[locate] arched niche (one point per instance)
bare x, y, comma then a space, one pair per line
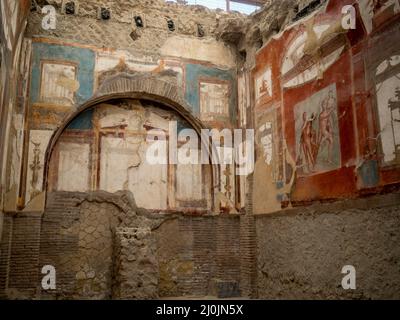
149, 92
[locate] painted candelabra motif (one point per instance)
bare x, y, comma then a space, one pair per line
35, 166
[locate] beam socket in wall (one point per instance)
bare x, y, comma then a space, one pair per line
200, 30
171, 25
312, 6
70, 7
34, 7
138, 21
104, 13
134, 35
243, 55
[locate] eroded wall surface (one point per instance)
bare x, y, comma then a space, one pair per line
301, 254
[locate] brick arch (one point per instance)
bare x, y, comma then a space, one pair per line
124, 86
147, 87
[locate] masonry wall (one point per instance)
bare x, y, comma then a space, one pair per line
200, 256
19, 258
153, 39
296, 68
103, 248
297, 254
301, 252
85, 237
299, 60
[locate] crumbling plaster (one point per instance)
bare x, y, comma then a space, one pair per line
257, 30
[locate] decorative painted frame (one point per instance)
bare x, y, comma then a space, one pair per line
209, 116
56, 62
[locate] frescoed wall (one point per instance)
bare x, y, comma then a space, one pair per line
309, 98
317, 133
66, 75
13, 20
62, 79
107, 148
328, 143
212, 93
84, 104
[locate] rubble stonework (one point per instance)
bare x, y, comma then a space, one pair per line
103, 247
85, 27
136, 268
82, 236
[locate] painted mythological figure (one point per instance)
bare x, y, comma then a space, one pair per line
325, 132
308, 144
313, 142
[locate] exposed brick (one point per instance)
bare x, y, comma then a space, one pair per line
5, 251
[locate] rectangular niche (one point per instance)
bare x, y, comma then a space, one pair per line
58, 83
214, 100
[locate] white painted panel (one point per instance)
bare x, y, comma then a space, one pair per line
149, 183
58, 83
189, 182
73, 167
117, 155
123, 167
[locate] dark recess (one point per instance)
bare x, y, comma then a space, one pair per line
139, 22
307, 10
171, 25
70, 7
105, 14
